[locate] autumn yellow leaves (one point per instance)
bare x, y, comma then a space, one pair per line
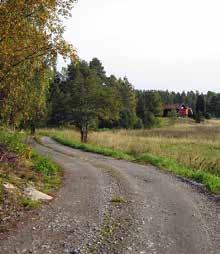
31, 37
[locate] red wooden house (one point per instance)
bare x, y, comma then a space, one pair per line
181, 109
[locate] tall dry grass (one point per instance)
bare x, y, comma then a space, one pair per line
193, 145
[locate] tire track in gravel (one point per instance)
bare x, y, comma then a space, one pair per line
169, 215
114, 233
82, 218
71, 220
118, 220
152, 212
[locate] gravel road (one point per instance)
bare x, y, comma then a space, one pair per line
114, 206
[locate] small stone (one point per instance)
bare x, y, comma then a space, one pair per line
36, 195
9, 186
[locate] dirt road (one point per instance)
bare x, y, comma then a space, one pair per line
113, 206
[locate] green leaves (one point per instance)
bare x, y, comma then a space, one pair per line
149, 105
31, 36
83, 97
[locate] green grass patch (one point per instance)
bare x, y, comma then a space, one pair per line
36, 168
117, 200
93, 148
30, 203
51, 183
51, 172
44, 164
14, 142
210, 181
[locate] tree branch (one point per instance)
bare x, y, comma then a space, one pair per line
23, 60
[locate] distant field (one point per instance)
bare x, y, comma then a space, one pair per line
196, 146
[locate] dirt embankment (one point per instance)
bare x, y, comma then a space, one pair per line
18, 175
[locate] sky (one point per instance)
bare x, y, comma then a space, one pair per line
157, 44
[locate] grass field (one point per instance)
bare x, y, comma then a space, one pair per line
187, 149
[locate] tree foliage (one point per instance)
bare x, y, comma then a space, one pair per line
30, 39
148, 107
83, 99
200, 104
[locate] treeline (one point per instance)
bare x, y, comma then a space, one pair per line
207, 104
33, 93
84, 96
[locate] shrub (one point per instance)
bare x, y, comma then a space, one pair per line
199, 117
172, 115
208, 115
14, 142
138, 124
149, 119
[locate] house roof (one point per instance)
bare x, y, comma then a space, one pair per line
174, 106
171, 106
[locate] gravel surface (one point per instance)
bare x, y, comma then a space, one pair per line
114, 206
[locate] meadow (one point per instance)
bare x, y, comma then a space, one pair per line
194, 147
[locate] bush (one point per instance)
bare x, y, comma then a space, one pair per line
172, 114
149, 119
14, 142
138, 124
199, 117
208, 115
127, 119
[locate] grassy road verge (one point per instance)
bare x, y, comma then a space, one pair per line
20, 167
209, 180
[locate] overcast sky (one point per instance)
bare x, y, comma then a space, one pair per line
157, 44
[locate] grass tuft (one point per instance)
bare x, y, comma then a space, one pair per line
30, 203
117, 200
44, 164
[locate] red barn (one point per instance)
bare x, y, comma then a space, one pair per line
181, 109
